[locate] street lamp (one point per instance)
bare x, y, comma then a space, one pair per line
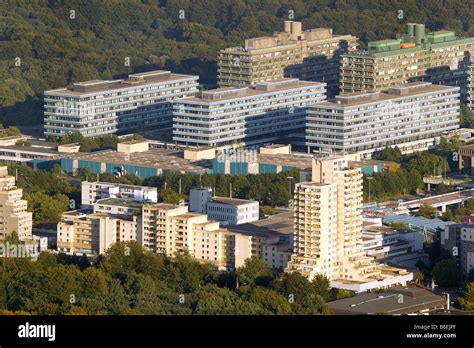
459, 196
289, 183
369, 178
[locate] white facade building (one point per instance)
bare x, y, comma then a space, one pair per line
228, 211
101, 107
225, 117
91, 192
412, 117
383, 242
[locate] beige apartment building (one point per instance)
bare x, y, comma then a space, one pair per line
439, 57
13, 209
92, 234
310, 55
165, 229
169, 229
328, 230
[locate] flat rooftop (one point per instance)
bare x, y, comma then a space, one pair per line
138, 79
161, 206
30, 149
295, 159
275, 225
414, 300
157, 158
128, 186
119, 202
232, 201
229, 93
403, 91
385, 229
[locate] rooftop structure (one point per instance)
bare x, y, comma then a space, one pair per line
93, 191
417, 222
228, 211
439, 57
311, 55
144, 164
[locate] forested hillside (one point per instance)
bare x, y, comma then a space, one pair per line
49, 43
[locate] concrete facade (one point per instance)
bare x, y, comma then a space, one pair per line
229, 117
312, 55
328, 230
412, 117
439, 57
100, 107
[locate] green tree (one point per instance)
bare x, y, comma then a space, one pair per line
254, 272
46, 209
301, 293
426, 211
271, 301
388, 154
446, 273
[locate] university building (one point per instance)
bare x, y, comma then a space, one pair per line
264, 113
101, 107
412, 116
311, 55
439, 57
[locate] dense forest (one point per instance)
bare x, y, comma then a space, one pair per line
128, 280
47, 44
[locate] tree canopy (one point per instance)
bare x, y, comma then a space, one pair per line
47, 44
129, 280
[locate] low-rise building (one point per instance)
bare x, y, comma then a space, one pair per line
384, 242
393, 301
145, 163
228, 211
117, 206
169, 229
91, 192
276, 253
